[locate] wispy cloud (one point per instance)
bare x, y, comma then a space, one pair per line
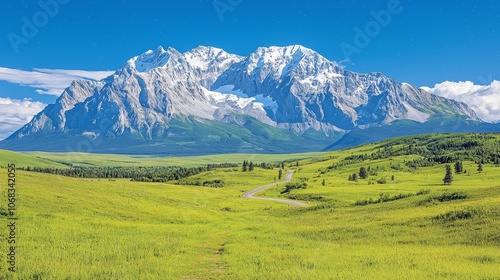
16, 113
484, 99
49, 81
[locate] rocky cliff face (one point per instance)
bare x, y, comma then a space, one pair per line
312, 91
293, 89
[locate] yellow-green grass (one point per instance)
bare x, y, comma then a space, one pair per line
337, 185
116, 229
95, 229
86, 159
7, 157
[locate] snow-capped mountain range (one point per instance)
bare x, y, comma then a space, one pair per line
292, 90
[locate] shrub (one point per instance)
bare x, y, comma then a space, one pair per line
307, 197
463, 214
383, 197
214, 184
423, 192
363, 174
451, 196
443, 198
293, 186
3, 211
382, 181
188, 182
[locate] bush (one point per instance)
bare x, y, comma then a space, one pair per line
423, 192
3, 211
293, 186
307, 197
451, 196
383, 197
188, 182
463, 214
214, 184
444, 197
382, 181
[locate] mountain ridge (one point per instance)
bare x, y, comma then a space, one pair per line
290, 89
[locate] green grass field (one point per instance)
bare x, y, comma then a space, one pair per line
72, 228
85, 159
25, 160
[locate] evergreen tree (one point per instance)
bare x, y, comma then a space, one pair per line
459, 168
250, 166
297, 163
283, 165
245, 166
350, 177
280, 174
448, 178
355, 177
392, 178
480, 167
323, 183
363, 174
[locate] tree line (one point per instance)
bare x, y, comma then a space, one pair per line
140, 174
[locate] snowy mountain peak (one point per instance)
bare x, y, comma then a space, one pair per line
209, 63
203, 58
286, 50
152, 59
208, 50
281, 61
290, 89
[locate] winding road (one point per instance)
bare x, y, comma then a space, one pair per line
288, 178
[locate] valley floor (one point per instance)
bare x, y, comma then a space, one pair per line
409, 226
102, 229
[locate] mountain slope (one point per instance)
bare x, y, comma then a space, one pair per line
309, 89
408, 128
277, 99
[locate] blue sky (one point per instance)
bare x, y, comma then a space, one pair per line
423, 43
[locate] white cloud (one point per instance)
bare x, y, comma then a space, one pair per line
16, 113
49, 81
484, 99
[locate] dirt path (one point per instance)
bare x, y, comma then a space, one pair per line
288, 178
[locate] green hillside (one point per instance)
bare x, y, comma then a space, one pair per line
20, 159
401, 222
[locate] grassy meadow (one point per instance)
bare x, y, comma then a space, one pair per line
86, 159
76, 228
